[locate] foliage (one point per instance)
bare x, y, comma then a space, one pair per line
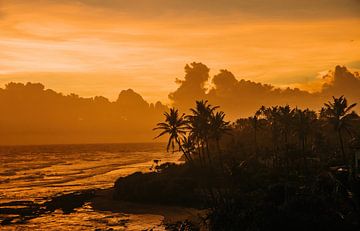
277, 170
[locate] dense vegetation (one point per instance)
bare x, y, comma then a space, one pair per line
282, 169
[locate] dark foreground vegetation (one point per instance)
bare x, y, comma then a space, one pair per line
281, 169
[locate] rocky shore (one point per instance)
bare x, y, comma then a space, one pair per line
19, 212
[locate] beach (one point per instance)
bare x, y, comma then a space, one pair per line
56, 170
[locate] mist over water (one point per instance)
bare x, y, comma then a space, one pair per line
35, 173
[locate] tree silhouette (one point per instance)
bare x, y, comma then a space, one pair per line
188, 147
219, 127
338, 113
175, 126
270, 115
303, 124
255, 124
285, 117
199, 125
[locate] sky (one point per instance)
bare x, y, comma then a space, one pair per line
99, 47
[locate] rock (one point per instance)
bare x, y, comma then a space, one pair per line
68, 202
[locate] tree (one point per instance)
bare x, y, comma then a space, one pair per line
199, 126
188, 146
338, 113
218, 127
175, 126
255, 124
270, 115
285, 117
303, 123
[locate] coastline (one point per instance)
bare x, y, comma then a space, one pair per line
103, 201
67, 204
100, 200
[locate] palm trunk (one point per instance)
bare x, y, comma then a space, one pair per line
202, 163
208, 151
342, 146
188, 158
203, 152
255, 141
219, 153
303, 151
275, 161
287, 152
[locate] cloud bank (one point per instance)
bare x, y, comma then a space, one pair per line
32, 114
73, 45
241, 98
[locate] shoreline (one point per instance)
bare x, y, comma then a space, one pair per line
100, 200
103, 201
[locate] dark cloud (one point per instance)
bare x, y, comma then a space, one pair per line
294, 9
343, 82
239, 98
33, 114
2, 13
273, 8
193, 86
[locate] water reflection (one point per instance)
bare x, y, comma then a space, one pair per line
39, 172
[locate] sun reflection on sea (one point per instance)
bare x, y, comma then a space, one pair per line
37, 173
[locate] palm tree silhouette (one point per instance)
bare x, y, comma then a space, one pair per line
255, 124
285, 116
175, 126
199, 126
188, 147
219, 127
338, 114
270, 114
303, 124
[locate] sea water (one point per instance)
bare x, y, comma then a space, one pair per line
35, 173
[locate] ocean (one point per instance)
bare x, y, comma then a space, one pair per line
36, 173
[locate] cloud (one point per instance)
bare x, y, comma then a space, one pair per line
266, 41
53, 117
193, 86
344, 82
241, 98
280, 9
253, 8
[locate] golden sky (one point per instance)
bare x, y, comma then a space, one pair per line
98, 47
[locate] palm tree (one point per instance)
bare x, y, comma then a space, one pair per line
303, 123
255, 123
218, 127
188, 146
175, 126
338, 114
270, 115
199, 126
285, 117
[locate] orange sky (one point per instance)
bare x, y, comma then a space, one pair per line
96, 47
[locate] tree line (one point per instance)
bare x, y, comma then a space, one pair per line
286, 168
277, 132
